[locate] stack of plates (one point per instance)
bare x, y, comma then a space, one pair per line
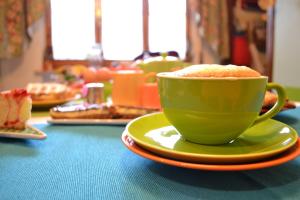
267, 144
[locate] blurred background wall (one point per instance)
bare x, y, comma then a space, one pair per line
20, 71
286, 68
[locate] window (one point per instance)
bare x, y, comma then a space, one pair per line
124, 28
73, 32
167, 26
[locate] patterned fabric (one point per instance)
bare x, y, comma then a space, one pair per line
90, 162
209, 31
215, 25
16, 16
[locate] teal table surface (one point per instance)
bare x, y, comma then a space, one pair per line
91, 162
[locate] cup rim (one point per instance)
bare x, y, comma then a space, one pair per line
167, 75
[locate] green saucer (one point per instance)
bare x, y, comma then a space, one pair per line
154, 133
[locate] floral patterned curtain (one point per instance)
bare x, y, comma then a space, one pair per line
16, 16
215, 26
211, 18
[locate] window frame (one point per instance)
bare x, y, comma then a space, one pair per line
51, 63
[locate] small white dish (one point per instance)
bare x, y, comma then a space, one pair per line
28, 133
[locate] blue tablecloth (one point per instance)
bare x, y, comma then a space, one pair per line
91, 162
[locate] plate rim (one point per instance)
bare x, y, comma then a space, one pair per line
224, 158
290, 154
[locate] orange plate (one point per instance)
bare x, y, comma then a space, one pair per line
290, 154
55, 102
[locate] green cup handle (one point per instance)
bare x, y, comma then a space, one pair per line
277, 107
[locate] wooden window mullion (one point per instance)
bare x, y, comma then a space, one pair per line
98, 23
146, 25
188, 29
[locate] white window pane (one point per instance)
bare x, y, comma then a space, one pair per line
122, 29
167, 26
73, 28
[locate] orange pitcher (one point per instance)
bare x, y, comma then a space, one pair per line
149, 93
126, 87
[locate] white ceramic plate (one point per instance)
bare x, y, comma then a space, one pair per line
89, 121
28, 133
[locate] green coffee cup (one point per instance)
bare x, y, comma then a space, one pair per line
215, 110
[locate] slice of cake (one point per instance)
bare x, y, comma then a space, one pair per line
15, 106
47, 91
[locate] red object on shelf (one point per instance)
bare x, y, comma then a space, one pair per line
241, 53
